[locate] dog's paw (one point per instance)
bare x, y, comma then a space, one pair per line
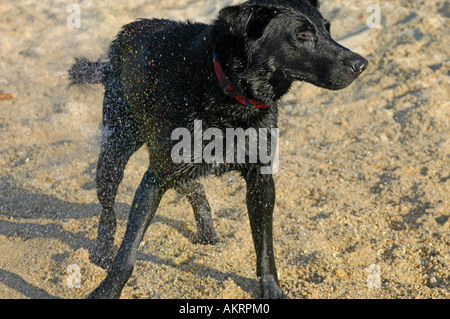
102, 292
270, 289
276, 295
204, 239
272, 294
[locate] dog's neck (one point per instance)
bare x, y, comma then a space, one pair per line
260, 84
228, 89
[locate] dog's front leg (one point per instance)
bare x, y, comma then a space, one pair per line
145, 203
260, 204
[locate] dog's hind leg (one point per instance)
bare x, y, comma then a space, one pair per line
195, 193
145, 203
114, 155
115, 152
119, 142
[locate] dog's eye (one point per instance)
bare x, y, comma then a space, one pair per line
304, 36
328, 26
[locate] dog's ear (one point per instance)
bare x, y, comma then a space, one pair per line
246, 20
314, 3
235, 19
259, 20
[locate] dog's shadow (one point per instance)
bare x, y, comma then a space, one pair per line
27, 215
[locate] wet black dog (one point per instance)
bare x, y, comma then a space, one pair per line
164, 75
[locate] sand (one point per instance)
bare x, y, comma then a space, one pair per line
363, 186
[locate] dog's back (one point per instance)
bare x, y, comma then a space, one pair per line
147, 43
147, 56
157, 62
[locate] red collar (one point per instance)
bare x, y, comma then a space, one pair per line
226, 87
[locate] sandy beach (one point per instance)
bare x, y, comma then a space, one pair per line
363, 186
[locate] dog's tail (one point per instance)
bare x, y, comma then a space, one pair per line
84, 71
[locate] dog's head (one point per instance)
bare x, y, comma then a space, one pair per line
289, 40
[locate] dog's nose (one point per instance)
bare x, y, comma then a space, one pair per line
359, 65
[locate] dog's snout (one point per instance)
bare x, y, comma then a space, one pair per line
359, 65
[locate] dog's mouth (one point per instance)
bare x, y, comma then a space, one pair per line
343, 82
294, 75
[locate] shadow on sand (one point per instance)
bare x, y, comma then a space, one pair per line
23, 208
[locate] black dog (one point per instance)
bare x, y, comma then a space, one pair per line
163, 75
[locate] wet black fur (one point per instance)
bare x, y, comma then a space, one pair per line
160, 77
